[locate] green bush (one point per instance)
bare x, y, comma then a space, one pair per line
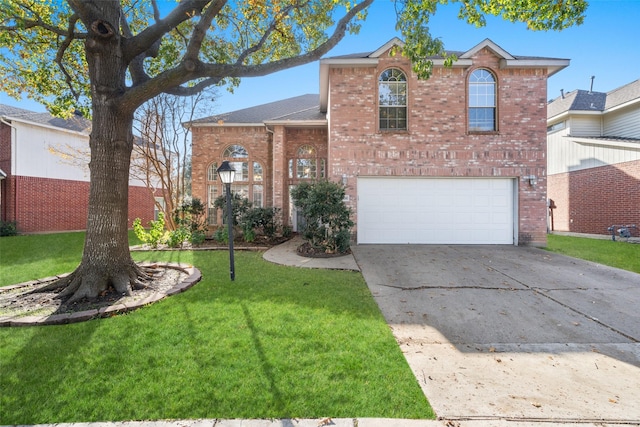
239, 206
197, 237
8, 228
192, 215
328, 218
177, 237
156, 234
259, 221
221, 235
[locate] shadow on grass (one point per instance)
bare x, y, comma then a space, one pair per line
42, 369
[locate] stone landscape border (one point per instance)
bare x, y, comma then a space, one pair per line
194, 276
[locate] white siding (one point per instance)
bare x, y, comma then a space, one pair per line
49, 153
566, 155
558, 151
35, 153
589, 125
624, 123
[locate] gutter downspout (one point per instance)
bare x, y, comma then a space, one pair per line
273, 169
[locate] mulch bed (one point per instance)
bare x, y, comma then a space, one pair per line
306, 250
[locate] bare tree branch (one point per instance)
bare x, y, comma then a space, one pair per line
66, 42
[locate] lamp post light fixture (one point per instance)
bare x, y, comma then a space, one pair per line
227, 173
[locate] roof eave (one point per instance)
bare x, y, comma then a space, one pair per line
227, 124
623, 105
297, 123
605, 142
43, 125
552, 65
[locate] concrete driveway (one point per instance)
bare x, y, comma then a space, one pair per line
512, 333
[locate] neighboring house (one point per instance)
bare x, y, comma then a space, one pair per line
459, 158
593, 145
45, 163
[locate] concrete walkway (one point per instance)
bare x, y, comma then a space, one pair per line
285, 254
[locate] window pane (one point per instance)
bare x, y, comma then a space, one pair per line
257, 196
240, 189
323, 168
212, 214
306, 151
291, 168
306, 168
242, 170
235, 152
481, 119
212, 172
393, 118
257, 171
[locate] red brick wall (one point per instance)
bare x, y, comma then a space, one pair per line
591, 200
44, 205
209, 144
437, 142
6, 203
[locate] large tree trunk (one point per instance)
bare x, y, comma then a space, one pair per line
106, 261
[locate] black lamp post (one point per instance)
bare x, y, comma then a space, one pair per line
227, 173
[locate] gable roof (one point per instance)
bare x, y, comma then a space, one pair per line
303, 108
507, 60
74, 123
589, 102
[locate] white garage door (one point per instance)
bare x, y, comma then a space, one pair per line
435, 210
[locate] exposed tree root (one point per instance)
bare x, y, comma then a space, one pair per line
90, 282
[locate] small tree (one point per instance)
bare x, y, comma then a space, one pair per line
328, 218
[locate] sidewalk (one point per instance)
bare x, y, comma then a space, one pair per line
335, 422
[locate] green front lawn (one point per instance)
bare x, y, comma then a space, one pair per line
279, 342
617, 254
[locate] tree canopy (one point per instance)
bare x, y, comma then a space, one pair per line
180, 48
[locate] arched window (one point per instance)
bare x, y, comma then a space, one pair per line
247, 182
235, 152
306, 165
392, 100
482, 101
212, 172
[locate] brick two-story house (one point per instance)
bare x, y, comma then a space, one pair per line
459, 158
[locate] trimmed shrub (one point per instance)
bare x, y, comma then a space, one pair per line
328, 222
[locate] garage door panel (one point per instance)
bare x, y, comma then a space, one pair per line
438, 211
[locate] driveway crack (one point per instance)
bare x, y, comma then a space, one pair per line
585, 315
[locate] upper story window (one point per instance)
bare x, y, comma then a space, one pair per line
306, 165
556, 127
482, 101
392, 100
